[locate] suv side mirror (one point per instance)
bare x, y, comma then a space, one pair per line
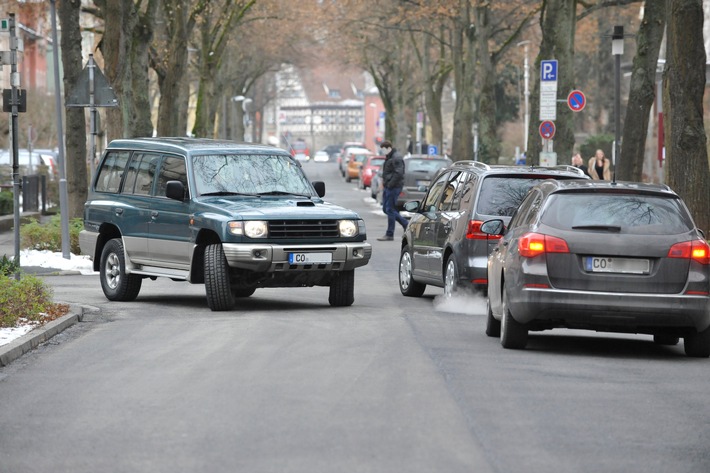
319, 186
411, 206
175, 190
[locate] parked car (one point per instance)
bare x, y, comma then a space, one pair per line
355, 158
234, 217
342, 161
443, 245
321, 157
419, 170
603, 256
368, 169
30, 162
300, 151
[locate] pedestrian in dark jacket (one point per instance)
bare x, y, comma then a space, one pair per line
392, 182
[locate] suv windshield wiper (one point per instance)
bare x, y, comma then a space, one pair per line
228, 193
283, 193
609, 228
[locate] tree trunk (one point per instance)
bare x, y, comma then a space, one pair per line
141, 38
629, 166
463, 52
75, 157
489, 147
558, 20
687, 170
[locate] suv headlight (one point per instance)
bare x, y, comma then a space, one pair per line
348, 228
250, 228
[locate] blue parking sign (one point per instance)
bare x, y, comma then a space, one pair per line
432, 150
548, 70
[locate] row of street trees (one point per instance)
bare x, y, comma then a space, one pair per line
156, 53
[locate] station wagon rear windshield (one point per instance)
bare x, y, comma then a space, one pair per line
627, 213
249, 174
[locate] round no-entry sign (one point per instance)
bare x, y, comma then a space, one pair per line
576, 100
547, 129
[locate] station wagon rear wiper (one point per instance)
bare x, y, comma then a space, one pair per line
608, 228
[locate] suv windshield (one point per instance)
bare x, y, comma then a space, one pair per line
501, 195
249, 174
627, 213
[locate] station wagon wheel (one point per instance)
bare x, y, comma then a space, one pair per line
698, 344
451, 277
512, 333
492, 325
342, 289
116, 284
407, 285
217, 287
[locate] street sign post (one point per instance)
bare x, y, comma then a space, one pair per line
547, 130
548, 90
576, 100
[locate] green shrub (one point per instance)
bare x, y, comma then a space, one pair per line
8, 266
595, 142
27, 298
48, 236
6, 203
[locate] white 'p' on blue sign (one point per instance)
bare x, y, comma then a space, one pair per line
548, 70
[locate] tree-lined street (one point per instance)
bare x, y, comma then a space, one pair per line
287, 383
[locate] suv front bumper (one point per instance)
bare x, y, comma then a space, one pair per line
268, 258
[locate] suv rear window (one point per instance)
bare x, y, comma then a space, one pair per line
501, 195
632, 213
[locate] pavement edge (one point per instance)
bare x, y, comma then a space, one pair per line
31, 340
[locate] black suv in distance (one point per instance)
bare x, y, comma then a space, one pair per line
443, 244
235, 217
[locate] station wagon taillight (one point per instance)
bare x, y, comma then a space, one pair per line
473, 232
697, 250
534, 244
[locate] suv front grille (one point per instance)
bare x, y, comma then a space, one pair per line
303, 229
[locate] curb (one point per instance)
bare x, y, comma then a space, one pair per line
31, 340
7, 222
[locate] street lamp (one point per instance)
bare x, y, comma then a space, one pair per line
526, 76
617, 50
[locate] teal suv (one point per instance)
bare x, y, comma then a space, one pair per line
234, 217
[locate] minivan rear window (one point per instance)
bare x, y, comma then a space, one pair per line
501, 195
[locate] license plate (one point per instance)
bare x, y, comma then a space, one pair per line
423, 183
310, 258
605, 264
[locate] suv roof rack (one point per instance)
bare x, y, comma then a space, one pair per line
478, 164
567, 167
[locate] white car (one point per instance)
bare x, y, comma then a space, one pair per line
321, 157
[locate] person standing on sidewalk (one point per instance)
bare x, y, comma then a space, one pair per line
392, 182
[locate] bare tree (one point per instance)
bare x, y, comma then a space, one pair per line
76, 167
686, 150
629, 166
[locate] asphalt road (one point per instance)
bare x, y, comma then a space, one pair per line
285, 383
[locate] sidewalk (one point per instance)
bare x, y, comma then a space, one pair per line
34, 338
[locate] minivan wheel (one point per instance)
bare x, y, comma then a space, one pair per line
698, 344
451, 277
217, 287
116, 284
512, 333
492, 325
407, 285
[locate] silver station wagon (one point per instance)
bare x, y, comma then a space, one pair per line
235, 217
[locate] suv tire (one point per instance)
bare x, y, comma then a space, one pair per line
407, 285
217, 287
116, 284
341, 289
512, 333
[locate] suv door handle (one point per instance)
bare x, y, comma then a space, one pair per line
154, 214
118, 211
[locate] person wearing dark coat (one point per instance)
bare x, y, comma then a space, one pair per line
392, 182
